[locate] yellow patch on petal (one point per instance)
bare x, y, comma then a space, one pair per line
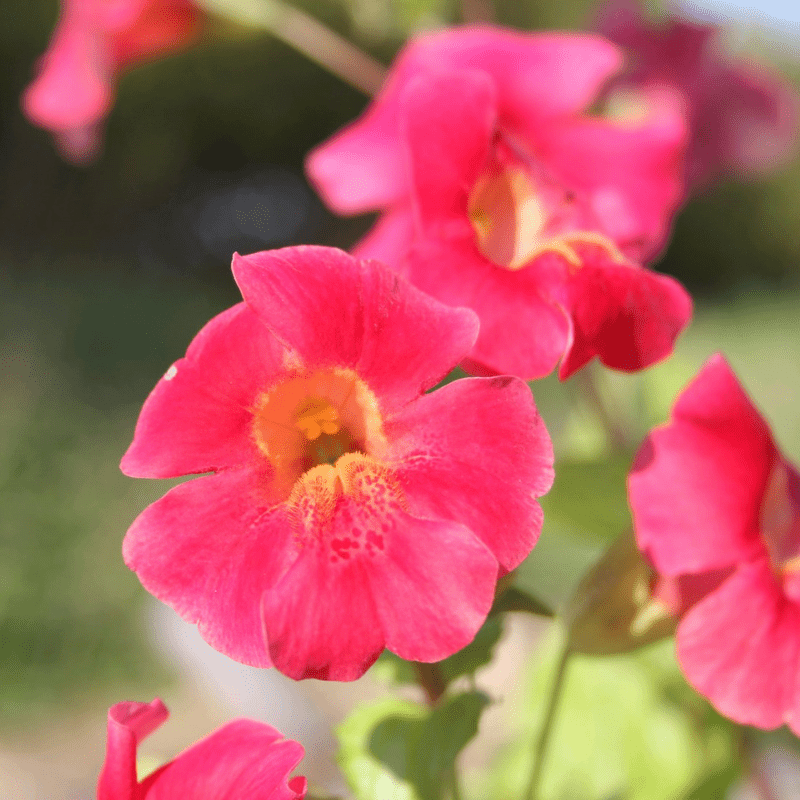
779, 522
511, 223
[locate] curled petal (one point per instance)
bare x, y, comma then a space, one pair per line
704, 471
128, 724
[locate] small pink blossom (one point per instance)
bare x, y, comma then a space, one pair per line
716, 509
500, 193
243, 760
93, 41
742, 118
348, 510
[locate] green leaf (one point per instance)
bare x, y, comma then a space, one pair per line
421, 751
615, 733
393, 669
368, 777
477, 653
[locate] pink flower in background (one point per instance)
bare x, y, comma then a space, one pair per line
501, 195
348, 511
93, 41
243, 760
716, 509
742, 118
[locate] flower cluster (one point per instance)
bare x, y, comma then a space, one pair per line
501, 193
345, 506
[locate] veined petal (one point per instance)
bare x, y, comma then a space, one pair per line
477, 452
199, 416
432, 585
210, 548
243, 760
740, 647
128, 724
320, 620
705, 471
398, 340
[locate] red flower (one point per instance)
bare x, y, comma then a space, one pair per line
716, 509
243, 760
93, 40
742, 118
499, 194
349, 511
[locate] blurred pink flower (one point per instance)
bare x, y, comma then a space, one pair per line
349, 511
243, 760
500, 194
93, 41
742, 118
716, 509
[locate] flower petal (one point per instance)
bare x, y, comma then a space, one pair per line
128, 724
626, 315
521, 333
546, 75
320, 620
447, 121
73, 89
389, 239
210, 548
199, 418
703, 472
399, 341
243, 760
632, 175
433, 586
476, 451
740, 647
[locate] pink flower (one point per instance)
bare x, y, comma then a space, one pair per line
716, 509
501, 195
349, 511
95, 39
243, 760
742, 118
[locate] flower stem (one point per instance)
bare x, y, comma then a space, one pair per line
542, 740
431, 680
617, 436
307, 35
455, 789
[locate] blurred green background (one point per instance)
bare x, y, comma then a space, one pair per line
107, 272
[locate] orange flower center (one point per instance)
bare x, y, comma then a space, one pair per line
309, 422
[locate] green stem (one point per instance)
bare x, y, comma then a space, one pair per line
307, 35
617, 436
542, 740
455, 789
431, 680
